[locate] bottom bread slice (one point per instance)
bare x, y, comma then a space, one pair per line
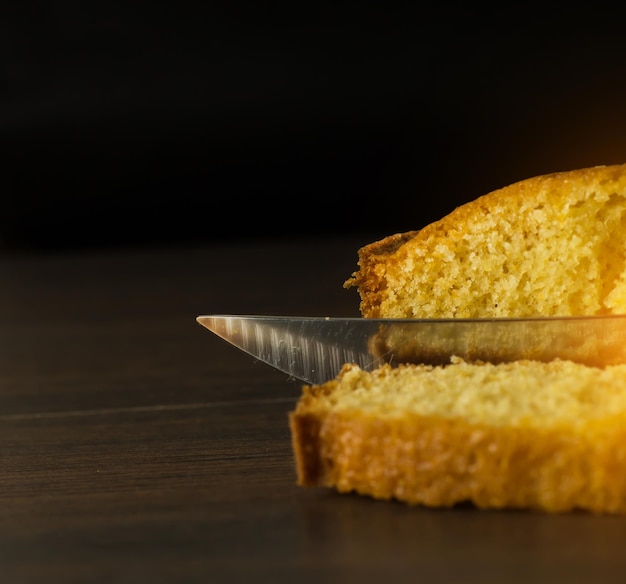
546, 436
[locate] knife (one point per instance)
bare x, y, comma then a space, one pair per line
314, 349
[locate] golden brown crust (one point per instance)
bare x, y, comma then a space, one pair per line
371, 276
442, 462
373, 259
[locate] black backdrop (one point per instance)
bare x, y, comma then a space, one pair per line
137, 123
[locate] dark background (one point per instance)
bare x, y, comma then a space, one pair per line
127, 124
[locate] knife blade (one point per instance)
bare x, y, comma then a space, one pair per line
314, 349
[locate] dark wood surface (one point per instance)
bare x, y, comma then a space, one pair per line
136, 446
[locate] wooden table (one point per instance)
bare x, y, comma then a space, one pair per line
138, 447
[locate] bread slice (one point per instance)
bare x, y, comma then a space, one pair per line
527, 434
549, 245
534, 433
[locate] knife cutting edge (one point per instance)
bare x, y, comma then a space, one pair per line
314, 349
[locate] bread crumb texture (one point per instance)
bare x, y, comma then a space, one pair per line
527, 434
549, 245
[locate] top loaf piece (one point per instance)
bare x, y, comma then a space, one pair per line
551, 245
